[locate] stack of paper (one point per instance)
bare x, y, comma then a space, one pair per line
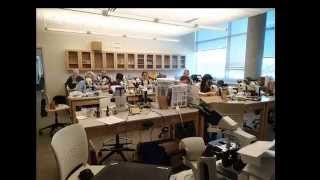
109, 120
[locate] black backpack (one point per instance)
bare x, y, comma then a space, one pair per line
60, 99
152, 153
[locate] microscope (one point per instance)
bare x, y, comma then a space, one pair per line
226, 148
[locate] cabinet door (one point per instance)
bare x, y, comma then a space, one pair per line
120, 61
174, 61
86, 60
131, 61
182, 62
166, 61
150, 61
98, 60
159, 63
72, 59
110, 60
140, 61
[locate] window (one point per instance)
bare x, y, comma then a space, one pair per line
268, 61
212, 62
223, 53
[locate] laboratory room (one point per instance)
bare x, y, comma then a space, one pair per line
155, 94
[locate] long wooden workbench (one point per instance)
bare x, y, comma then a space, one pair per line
159, 117
237, 109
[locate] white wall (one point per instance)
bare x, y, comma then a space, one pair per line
53, 45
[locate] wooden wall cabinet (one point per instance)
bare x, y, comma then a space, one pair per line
167, 63
110, 60
150, 61
174, 61
72, 59
106, 60
131, 60
140, 61
121, 60
86, 60
159, 61
183, 62
98, 60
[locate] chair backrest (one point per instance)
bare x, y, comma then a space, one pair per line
70, 147
194, 147
207, 168
59, 99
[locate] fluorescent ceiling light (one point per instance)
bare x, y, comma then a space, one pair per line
148, 19
109, 34
65, 30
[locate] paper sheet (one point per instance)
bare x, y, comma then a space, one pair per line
82, 117
110, 120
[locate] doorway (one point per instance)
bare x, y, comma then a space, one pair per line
40, 84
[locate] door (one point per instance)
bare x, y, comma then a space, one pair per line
40, 84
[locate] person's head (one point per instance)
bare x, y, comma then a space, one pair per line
90, 75
119, 77
185, 79
103, 73
144, 75
106, 80
75, 72
206, 83
186, 72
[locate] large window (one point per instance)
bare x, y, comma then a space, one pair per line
222, 53
268, 61
211, 52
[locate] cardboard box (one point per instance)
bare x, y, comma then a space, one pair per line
96, 45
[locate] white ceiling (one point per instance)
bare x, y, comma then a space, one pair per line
79, 21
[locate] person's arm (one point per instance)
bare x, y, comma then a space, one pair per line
210, 93
69, 80
81, 86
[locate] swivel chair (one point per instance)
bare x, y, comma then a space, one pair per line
70, 147
60, 105
112, 145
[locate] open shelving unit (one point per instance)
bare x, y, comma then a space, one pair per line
150, 62
174, 61
108, 60
72, 59
86, 60
159, 63
182, 62
98, 60
131, 61
140, 59
120, 61
166, 62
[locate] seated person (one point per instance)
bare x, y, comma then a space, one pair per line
73, 80
144, 79
103, 82
185, 77
88, 84
206, 86
119, 79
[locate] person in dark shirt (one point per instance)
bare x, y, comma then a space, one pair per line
73, 80
185, 77
206, 86
119, 79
